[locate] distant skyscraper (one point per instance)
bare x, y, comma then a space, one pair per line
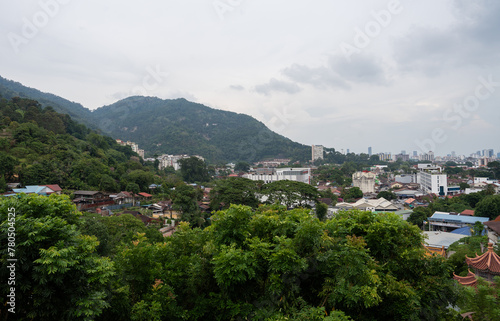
317, 152
403, 152
369, 151
488, 152
415, 154
347, 151
453, 154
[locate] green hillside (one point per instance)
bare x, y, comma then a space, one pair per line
173, 126
40, 146
179, 126
10, 89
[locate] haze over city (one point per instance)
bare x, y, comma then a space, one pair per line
393, 75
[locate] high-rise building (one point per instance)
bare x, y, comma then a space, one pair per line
317, 152
347, 151
488, 152
369, 151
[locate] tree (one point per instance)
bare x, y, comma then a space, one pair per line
353, 193
419, 215
58, 275
463, 186
290, 193
483, 300
233, 190
321, 210
387, 195
185, 199
488, 207
194, 170
242, 167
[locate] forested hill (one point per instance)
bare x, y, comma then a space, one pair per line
40, 146
10, 89
180, 126
173, 126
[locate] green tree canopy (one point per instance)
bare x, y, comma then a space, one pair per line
194, 170
58, 274
233, 190
290, 193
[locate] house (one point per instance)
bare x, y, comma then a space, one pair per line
55, 188
34, 189
124, 198
89, 196
145, 196
468, 212
493, 229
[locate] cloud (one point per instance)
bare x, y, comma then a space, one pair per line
277, 85
471, 40
337, 73
237, 87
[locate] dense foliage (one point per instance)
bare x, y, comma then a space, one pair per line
40, 146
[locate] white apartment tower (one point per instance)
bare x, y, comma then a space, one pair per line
317, 152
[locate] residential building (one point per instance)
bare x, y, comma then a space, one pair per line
166, 160
317, 152
134, 146
432, 181
493, 229
268, 175
365, 181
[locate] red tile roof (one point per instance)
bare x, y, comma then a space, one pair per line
54, 187
145, 194
488, 262
469, 280
468, 212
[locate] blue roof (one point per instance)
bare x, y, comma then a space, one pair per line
466, 230
458, 218
29, 189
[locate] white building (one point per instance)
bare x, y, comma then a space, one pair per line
317, 152
278, 174
365, 181
406, 178
166, 160
433, 182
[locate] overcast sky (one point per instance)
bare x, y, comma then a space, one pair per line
393, 75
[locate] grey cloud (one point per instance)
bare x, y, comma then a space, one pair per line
237, 87
338, 73
319, 77
472, 40
277, 85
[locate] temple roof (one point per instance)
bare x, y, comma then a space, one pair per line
469, 280
488, 262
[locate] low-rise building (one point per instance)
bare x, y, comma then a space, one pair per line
270, 175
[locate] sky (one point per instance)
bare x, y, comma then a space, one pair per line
394, 75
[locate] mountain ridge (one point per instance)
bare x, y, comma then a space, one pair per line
173, 126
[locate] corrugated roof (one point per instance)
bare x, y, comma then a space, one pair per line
440, 216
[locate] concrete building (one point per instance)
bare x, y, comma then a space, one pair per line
166, 160
365, 181
369, 151
317, 152
433, 182
269, 175
406, 178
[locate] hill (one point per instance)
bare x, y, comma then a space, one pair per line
173, 126
10, 89
179, 126
40, 146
